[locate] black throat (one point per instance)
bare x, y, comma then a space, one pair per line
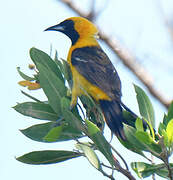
70, 31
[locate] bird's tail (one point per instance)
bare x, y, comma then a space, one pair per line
134, 115
112, 112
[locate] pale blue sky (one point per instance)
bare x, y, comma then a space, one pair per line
138, 24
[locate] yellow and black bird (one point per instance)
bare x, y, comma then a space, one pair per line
92, 71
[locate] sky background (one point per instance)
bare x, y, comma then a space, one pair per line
137, 24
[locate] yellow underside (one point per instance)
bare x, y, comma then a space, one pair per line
81, 86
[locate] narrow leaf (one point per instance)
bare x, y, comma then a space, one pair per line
144, 137
53, 80
132, 139
90, 154
149, 143
44, 59
139, 124
47, 157
43, 132
169, 116
100, 141
145, 106
67, 72
53, 134
170, 111
169, 132
31, 97
38, 132
161, 128
37, 110
24, 76
144, 170
52, 87
72, 120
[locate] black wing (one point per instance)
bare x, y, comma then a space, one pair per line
95, 66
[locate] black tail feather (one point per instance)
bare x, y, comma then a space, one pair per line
112, 111
134, 115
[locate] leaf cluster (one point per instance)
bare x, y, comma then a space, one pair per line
86, 120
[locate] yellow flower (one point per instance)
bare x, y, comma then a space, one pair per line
30, 85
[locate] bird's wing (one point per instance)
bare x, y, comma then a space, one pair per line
92, 63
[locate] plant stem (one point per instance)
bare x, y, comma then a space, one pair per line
109, 176
152, 161
166, 161
123, 171
127, 168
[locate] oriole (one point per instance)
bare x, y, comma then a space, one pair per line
92, 71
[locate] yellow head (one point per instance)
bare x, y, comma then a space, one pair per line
75, 28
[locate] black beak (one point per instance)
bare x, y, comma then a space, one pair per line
57, 27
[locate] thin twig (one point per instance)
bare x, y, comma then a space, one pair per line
152, 161
166, 161
120, 169
109, 176
127, 58
31, 97
165, 157
125, 172
127, 168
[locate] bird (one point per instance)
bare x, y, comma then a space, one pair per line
93, 72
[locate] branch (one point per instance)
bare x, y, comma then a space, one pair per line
120, 169
127, 58
123, 160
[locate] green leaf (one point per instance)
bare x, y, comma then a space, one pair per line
132, 139
24, 76
72, 120
161, 128
36, 110
169, 132
144, 137
53, 134
44, 59
145, 106
92, 128
149, 143
31, 97
132, 143
144, 170
90, 154
52, 80
38, 132
139, 124
44, 132
170, 111
93, 111
166, 142
163, 171
131, 147
169, 116
52, 87
67, 72
56, 56
47, 157
100, 141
